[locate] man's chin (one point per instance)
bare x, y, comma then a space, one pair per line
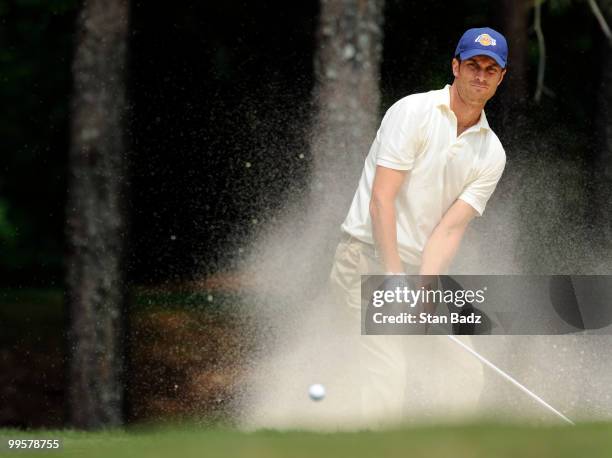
477, 100
481, 97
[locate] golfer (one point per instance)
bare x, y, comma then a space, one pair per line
431, 169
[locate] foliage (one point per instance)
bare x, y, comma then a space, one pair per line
35, 55
8, 232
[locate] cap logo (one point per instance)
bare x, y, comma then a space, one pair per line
485, 40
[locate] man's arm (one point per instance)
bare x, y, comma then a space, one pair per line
387, 183
445, 239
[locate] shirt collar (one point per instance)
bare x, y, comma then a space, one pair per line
443, 99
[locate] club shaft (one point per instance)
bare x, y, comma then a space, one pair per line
509, 378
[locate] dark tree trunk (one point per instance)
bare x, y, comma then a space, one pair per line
347, 99
96, 225
600, 198
346, 93
601, 201
516, 14
604, 158
515, 91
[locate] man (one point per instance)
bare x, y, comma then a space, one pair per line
431, 169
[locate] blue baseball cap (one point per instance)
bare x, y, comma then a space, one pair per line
483, 41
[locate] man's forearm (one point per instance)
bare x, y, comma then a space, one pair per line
441, 249
385, 235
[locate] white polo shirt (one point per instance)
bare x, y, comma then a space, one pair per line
419, 133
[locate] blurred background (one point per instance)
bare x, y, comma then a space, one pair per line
217, 112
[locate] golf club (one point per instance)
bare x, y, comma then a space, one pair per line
509, 378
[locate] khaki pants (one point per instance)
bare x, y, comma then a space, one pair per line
400, 376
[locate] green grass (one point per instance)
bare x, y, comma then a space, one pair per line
468, 441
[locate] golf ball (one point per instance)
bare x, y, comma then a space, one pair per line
316, 392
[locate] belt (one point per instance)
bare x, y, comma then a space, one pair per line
369, 247
371, 250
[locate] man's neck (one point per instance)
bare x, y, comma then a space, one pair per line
467, 114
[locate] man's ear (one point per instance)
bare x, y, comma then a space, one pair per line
503, 73
455, 65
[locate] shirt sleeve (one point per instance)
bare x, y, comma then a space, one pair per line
478, 192
398, 137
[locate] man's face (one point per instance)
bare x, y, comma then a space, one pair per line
477, 78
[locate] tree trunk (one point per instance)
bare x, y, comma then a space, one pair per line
516, 32
604, 158
601, 201
515, 91
347, 98
600, 207
346, 93
96, 226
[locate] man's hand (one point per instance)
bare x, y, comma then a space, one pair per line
446, 238
401, 295
395, 291
387, 183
